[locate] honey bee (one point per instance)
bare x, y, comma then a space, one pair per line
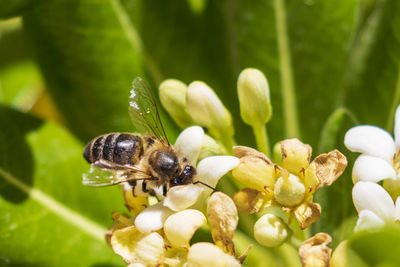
146, 161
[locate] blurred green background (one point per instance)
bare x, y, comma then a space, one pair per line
66, 68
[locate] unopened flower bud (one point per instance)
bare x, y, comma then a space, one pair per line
253, 91
270, 231
344, 256
289, 191
210, 148
173, 98
207, 110
180, 227
277, 153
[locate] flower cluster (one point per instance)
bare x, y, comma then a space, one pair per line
209, 171
290, 187
376, 204
170, 245
161, 234
288, 184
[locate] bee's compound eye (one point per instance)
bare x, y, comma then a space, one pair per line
186, 177
188, 173
189, 170
177, 181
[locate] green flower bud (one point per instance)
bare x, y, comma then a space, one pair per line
210, 148
173, 98
253, 91
277, 153
205, 107
270, 231
207, 110
289, 191
344, 256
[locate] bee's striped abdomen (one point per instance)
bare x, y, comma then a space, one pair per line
118, 148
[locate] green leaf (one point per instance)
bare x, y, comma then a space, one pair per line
20, 85
331, 130
230, 35
48, 218
14, 47
334, 214
12, 8
89, 54
372, 87
381, 247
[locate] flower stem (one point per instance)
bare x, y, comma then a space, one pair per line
288, 90
261, 135
396, 99
259, 255
228, 142
288, 254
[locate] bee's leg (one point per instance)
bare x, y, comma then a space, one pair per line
144, 187
154, 194
133, 184
209, 186
164, 190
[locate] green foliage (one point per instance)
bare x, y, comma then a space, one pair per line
11, 8
337, 60
89, 60
378, 248
47, 216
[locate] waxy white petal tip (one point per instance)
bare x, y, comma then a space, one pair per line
370, 140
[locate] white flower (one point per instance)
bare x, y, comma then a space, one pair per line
209, 171
374, 205
380, 157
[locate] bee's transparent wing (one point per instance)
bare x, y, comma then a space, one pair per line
143, 110
105, 173
97, 177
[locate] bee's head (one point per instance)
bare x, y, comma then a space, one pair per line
165, 163
186, 176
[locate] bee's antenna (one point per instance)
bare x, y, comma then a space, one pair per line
209, 186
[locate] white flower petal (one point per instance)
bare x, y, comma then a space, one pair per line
136, 265
372, 169
211, 169
397, 127
371, 196
182, 196
368, 220
181, 226
370, 140
152, 218
150, 249
210, 255
397, 212
136, 247
189, 143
